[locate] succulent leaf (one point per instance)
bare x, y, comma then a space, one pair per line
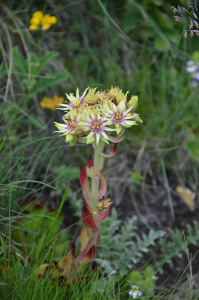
90, 167
103, 216
103, 187
112, 153
88, 220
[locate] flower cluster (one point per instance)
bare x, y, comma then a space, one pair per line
43, 21
193, 69
94, 115
188, 16
50, 103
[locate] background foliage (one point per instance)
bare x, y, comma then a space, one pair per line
139, 47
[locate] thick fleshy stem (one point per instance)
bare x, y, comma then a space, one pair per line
96, 178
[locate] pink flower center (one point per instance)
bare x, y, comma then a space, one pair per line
118, 117
77, 103
72, 125
96, 125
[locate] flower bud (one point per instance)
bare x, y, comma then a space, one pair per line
92, 96
90, 140
69, 138
58, 125
118, 130
133, 102
138, 119
73, 142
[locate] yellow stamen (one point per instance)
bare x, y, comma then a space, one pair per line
96, 125
72, 123
118, 115
76, 103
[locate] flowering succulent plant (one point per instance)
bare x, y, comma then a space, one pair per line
95, 115
97, 118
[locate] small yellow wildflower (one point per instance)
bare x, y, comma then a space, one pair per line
53, 20
133, 103
35, 21
33, 27
38, 15
43, 21
50, 103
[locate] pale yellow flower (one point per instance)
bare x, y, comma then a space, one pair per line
133, 103
119, 115
75, 102
92, 96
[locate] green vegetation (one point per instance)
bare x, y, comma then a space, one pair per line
150, 240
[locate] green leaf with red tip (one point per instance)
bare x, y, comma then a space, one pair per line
87, 198
103, 216
90, 167
72, 249
103, 187
82, 175
84, 182
88, 220
93, 238
92, 231
41, 271
83, 238
66, 263
112, 153
49, 269
89, 256
117, 139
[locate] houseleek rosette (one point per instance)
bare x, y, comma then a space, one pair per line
97, 118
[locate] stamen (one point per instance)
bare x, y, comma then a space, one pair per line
72, 124
76, 103
118, 115
96, 125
